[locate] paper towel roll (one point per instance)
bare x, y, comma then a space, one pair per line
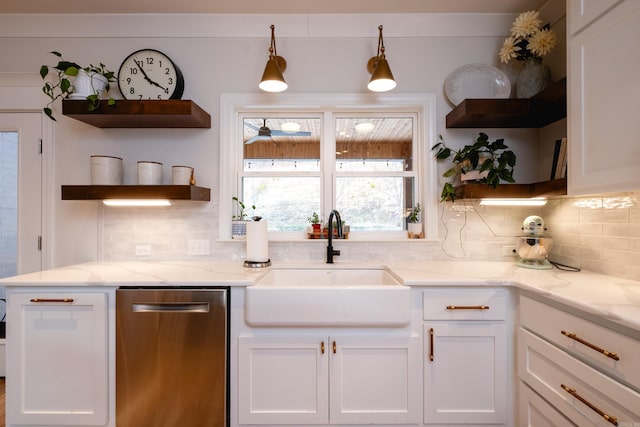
257, 241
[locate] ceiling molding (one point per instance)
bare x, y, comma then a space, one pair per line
254, 25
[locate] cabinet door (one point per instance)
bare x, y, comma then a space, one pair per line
465, 373
603, 91
375, 380
57, 359
283, 380
582, 12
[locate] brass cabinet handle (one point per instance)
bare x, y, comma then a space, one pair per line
573, 336
431, 344
572, 391
334, 347
67, 300
467, 307
322, 347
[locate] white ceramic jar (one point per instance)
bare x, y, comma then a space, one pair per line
106, 170
149, 173
181, 175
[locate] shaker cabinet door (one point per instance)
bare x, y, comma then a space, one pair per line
603, 125
57, 359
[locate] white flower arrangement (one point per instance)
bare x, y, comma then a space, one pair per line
528, 39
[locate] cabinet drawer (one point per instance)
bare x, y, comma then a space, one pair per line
464, 304
534, 411
583, 394
585, 339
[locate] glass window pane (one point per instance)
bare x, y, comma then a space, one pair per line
285, 202
373, 203
376, 142
8, 203
281, 144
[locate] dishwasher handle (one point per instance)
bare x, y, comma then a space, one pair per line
171, 307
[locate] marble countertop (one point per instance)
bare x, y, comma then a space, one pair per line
614, 299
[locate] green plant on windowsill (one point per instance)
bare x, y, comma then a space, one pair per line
241, 214
414, 215
491, 159
61, 85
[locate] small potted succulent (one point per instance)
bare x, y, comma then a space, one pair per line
239, 220
73, 81
314, 219
414, 222
484, 161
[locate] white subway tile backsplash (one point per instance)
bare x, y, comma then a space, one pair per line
600, 234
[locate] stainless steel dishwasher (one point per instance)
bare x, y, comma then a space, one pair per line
171, 357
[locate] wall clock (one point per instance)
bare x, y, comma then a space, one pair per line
150, 74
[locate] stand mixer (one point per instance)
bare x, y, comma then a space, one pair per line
533, 248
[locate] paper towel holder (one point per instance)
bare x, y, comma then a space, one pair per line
257, 264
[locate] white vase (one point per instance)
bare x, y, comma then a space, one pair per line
414, 229
238, 230
85, 84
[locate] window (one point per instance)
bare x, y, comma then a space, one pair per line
366, 161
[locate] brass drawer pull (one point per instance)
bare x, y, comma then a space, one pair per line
431, 344
67, 300
573, 336
467, 307
572, 391
334, 347
322, 347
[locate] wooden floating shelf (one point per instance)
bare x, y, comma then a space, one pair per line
556, 187
170, 113
540, 110
170, 192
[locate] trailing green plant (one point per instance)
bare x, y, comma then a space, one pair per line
61, 86
414, 215
240, 208
483, 155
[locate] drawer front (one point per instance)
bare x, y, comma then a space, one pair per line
586, 396
534, 411
588, 341
464, 304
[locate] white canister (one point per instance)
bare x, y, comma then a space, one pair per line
181, 175
106, 170
149, 173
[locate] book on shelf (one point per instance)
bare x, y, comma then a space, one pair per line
559, 165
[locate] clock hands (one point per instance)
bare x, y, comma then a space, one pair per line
146, 77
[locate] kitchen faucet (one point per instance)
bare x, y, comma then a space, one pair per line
330, 251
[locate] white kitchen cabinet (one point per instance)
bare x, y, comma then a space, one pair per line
590, 376
584, 12
57, 358
534, 411
467, 363
603, 90
334, 378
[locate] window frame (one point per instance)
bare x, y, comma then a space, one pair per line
234, 107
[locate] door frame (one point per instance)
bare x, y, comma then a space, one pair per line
22, 93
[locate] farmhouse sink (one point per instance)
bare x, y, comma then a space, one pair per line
328, 296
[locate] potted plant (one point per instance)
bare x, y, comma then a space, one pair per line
239, 220
490, 159
414, 222
314, 219
74, 81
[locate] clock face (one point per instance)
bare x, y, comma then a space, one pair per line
150, 74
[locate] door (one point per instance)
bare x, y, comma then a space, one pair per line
465, 373
283, 380
375, 379
20, 193
58, 359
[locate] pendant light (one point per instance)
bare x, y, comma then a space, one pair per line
381, 77
272, 78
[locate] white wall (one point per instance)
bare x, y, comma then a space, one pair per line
224, 54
